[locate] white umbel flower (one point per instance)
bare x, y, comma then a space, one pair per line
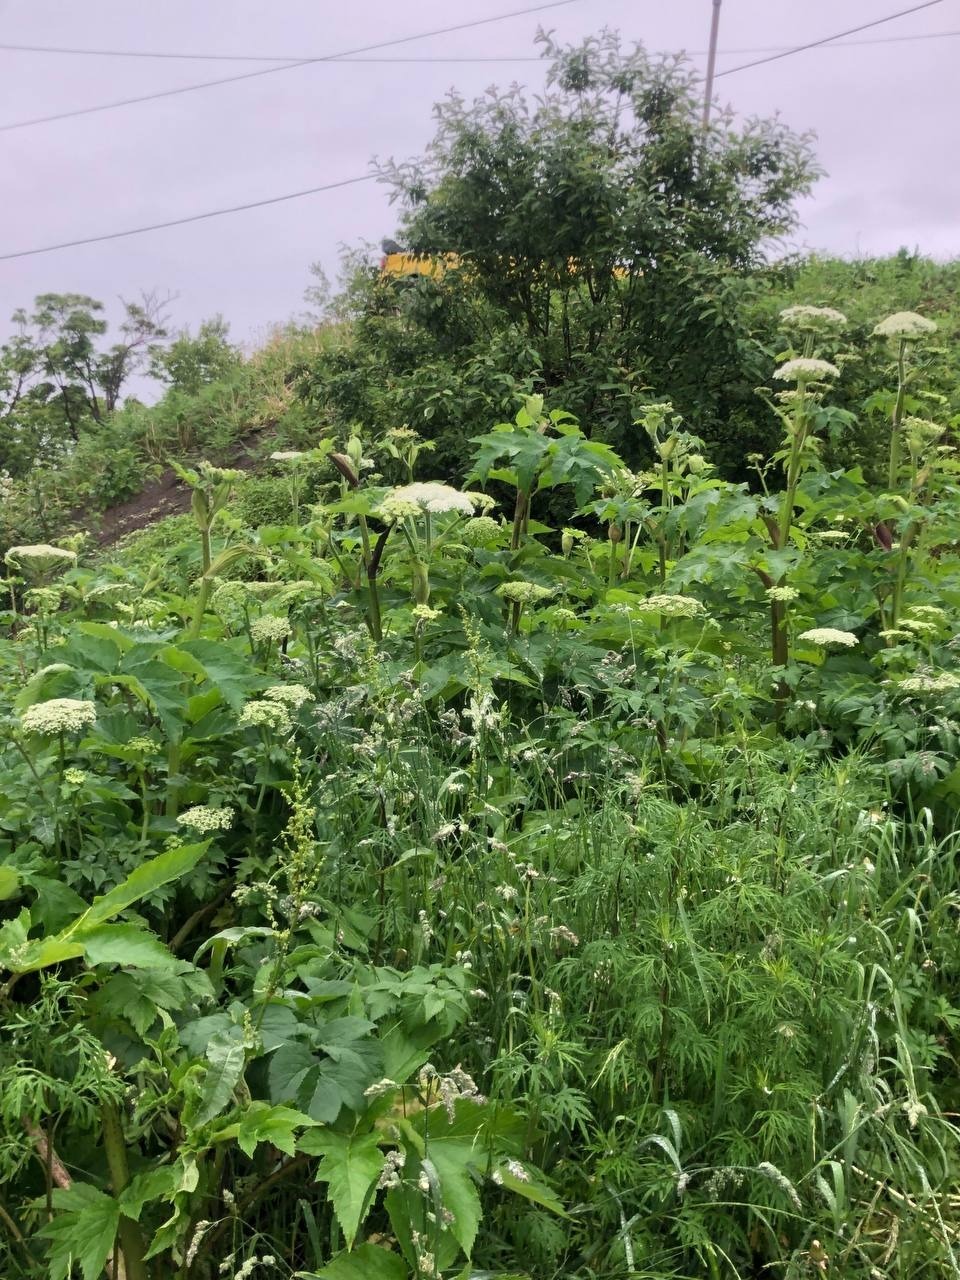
805, 369
412, 499
826, 636
783, 594
905, 324
672, 606
814, 319
291, 695
286, 455
260, 713
204, 817
944, 682
59, 715
39, 556
270, 627
524, 592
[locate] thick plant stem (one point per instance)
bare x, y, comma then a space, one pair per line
894, 465
128, 1231
903, 562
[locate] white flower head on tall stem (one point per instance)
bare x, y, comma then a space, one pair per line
826, 636
813, 319
806, 369
411, 499
906, 325
59, 715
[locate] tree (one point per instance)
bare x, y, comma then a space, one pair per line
190, 363
56, 378
606, 228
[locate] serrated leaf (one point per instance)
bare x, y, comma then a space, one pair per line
369, 1262
226, 1057
126, 945
9, 882
276, 1125
82, 1233
351, 1167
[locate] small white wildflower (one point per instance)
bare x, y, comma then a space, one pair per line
783, 594
199, 1231
913, 1110
516, 1170
506, 891
392, 1167
270, 627
59, 715
904, 324
825, 636
560, 933
204, 817
805, 369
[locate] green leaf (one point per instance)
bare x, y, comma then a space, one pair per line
9, 882
124, 944
351, 1167
452, 1158
369, 1262
145, 880
276, 1125
82, 1233
226, 1056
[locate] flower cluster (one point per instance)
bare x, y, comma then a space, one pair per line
414, 499
39, 557
782, 594
672, 606
270, 627
944, 682
59, 715
825, 636
806, 369
813, 319
204, 817
286, 455
261, 713
524, 592
290, 695
481, 531
904, 324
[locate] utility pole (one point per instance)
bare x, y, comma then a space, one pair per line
711, 63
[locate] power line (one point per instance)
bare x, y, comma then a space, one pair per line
815, 44
289, 66
195, 217
295, 195
443, 58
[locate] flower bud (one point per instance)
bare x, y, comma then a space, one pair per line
355, 450
566, 543
614, 532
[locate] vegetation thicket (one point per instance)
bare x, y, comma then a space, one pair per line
513, 837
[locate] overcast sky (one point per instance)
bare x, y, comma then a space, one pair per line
885, 116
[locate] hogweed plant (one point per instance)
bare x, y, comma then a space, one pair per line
454, 899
